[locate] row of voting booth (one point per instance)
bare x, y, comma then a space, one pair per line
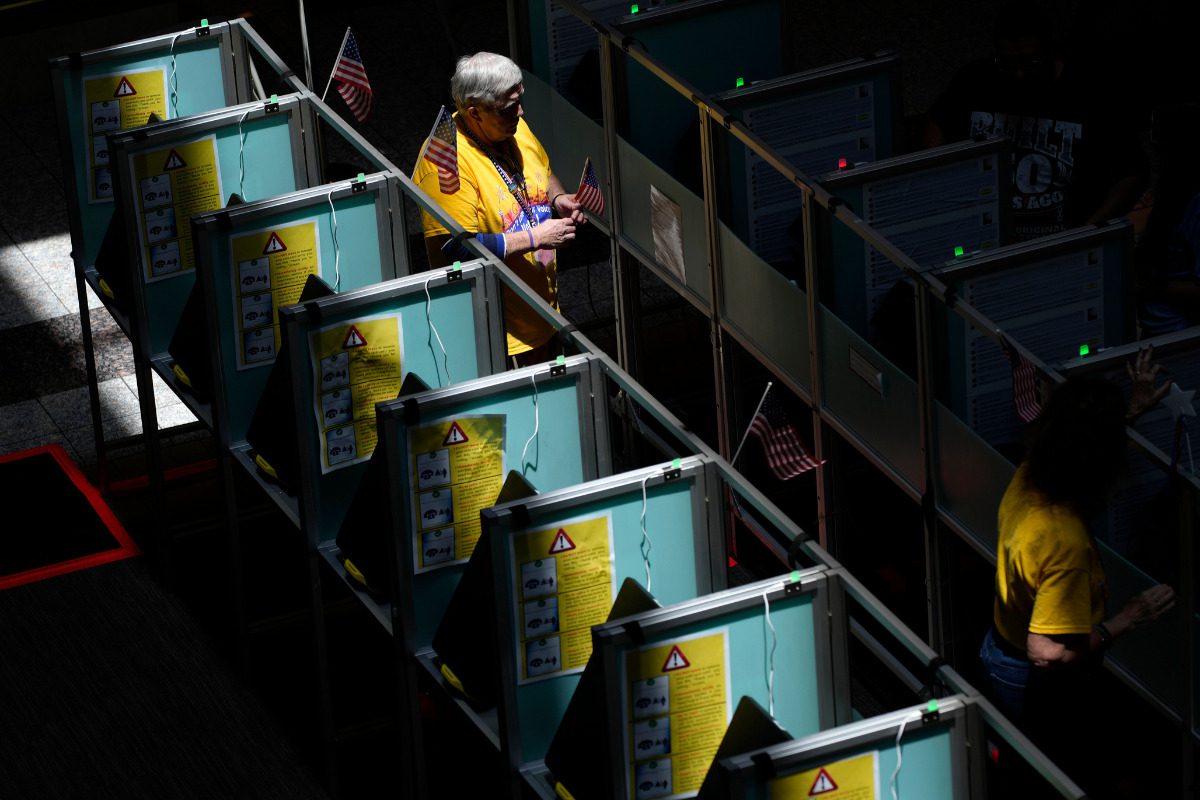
570, 603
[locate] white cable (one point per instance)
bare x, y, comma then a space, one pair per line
899, 760
173, 81
337, 250
242, 157
646, 545
536, 421
433, 328
770, 658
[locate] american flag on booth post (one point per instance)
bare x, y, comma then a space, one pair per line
1026, 385
353, 85
441, 150
589, 195
786, 454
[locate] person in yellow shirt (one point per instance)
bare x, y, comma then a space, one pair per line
505, 195
1050, 624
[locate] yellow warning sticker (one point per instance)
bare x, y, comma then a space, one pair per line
564, 581
268, 275
173, 183
854, 778
349, 381
457, 470
113, 103
677, 705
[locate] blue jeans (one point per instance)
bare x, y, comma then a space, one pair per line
1007, 674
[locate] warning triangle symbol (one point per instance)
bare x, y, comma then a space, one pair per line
353, 338
824, 783
174, 161
455, 435
274, 245
125, 89
675, 660
562, 543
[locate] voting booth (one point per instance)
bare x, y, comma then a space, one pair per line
671, 677
447, 453
165, 173
104, 92
934, 751
348, 352
834, 116
252, 260
558, 560
1059, 296
936, 204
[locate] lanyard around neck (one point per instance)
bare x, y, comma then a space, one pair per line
516, 186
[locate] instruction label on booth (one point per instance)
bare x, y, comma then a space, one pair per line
350, 377
270, 267
114, 103
457, 470
854, 778
676, 708
172, 184
564, 578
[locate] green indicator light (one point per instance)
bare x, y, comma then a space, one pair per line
677, 463
560, 360
456, 265
274, 98
795, 576
362, 177
741, 82
633, 9
958, 251
932, 707
204, 23
1084, 350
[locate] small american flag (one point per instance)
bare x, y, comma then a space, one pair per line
1026, 386
353, 85
589, 195
442, 151
786, 454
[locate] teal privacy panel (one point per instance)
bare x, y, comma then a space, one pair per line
258, 157
458, 314
563, 452
679, 570
361, 251
204, 77
801, 655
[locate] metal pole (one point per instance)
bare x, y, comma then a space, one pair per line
308, 80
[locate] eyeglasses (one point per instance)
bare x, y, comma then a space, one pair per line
509, 111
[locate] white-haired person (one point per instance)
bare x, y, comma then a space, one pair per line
506, 196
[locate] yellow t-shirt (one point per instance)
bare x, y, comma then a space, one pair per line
1049, 579
484, 204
